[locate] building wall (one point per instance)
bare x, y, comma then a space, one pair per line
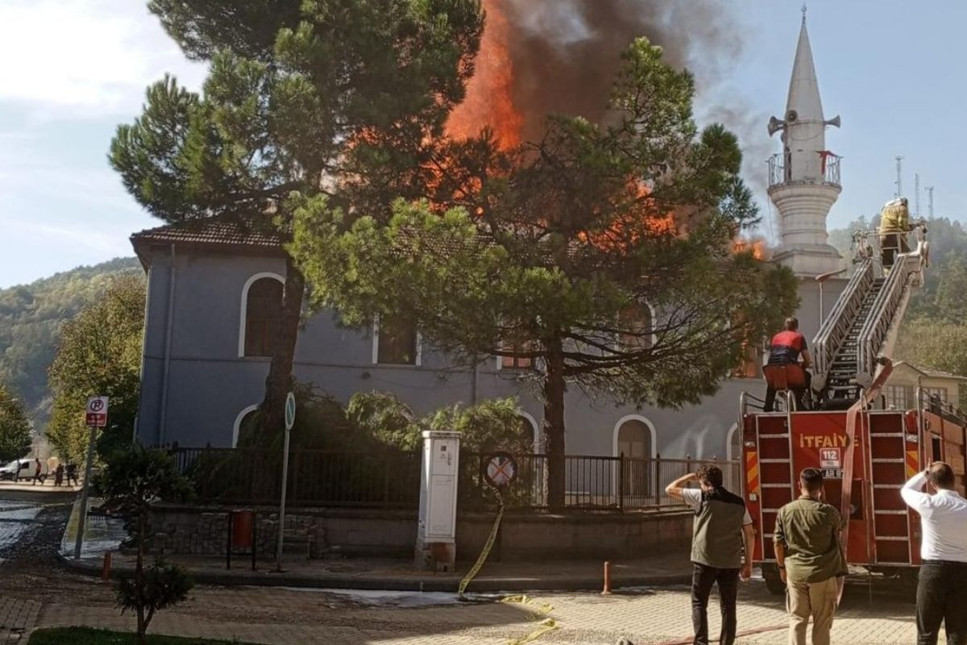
908, 378
350, 532
196, 386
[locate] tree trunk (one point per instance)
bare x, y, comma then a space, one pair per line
554, 425
279, 381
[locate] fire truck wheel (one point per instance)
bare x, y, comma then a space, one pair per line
775, 585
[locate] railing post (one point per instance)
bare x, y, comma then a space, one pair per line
621, 482
657, 462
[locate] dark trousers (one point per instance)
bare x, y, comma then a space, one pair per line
892, 244
942, 597
703, 577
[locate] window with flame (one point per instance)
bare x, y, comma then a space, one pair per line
750, 365
515, 350
517, 360
397, 341
263, 316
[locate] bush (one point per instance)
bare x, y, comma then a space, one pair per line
131, 482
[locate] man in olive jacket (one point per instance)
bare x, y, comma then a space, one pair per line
721, 534
810, 557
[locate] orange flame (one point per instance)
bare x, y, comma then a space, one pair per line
756, 246
489, 101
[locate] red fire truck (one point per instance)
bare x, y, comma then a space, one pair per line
866, 455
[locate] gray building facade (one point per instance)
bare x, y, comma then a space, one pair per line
200, 377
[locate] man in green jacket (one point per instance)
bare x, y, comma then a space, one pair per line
810, 557
721, 547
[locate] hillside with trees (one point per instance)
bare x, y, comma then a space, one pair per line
31, 317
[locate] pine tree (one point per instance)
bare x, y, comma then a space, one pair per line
600, 258
303, 99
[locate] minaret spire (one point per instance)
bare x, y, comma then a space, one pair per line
804, 177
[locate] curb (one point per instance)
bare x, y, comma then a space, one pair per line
480, 585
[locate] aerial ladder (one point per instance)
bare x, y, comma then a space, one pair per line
864, 451
864, 322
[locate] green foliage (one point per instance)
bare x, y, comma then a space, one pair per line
99, 354
934, 345
31, 317
488, 426
302, 99
554, 251
15, 439
162, 585
563, 250
384, 417
91, 636
133, 480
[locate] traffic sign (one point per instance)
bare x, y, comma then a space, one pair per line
289, 411
501, 469
96, 416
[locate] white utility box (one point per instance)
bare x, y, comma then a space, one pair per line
437, 526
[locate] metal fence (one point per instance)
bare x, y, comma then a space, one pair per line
316, 478
391, 479
591, 483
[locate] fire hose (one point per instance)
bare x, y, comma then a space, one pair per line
539, 609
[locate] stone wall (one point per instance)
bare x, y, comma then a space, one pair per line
356, 532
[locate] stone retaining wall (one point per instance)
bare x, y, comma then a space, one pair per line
182, 529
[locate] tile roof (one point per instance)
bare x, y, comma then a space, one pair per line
209, 232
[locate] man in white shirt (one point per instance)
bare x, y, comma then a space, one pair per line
942, 587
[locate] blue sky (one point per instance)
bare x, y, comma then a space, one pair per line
73, 69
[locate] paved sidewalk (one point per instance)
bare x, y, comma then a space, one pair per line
653, 616
17, 617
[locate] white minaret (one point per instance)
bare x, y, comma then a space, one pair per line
804, 178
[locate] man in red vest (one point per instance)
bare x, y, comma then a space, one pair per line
785, 349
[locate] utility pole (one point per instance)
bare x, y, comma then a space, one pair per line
929, 190
916, 193
899, 176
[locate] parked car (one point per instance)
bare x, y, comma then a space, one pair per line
22, 466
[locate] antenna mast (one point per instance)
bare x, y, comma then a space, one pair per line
929, 190
899, 176
916, 193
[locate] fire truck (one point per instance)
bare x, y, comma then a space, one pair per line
866, 452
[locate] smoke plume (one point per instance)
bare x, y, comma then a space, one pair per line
565, 53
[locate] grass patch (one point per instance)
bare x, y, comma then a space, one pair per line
89, 636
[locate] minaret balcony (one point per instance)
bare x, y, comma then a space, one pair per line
824, 171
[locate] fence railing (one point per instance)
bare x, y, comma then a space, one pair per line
316, 477
392, 479
591, 483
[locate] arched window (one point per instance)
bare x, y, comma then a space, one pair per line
530, 432
242, 422
633, 441
262, 306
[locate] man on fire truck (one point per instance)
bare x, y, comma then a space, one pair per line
785, 349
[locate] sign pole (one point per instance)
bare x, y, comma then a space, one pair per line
289, 421
96, 418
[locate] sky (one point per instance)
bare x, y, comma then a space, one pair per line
72, 70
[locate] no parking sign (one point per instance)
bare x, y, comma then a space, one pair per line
96, 416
